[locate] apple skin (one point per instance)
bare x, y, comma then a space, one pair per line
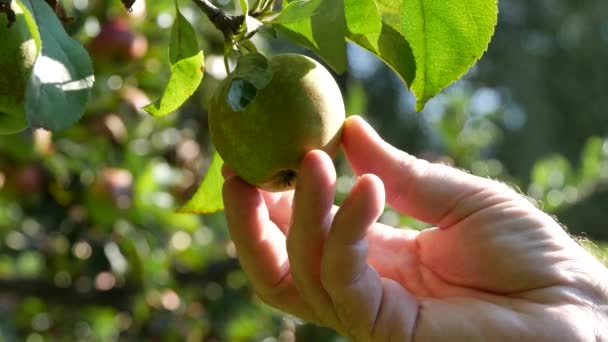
301, 109
18, 53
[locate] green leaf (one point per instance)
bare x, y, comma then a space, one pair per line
376, 26
59, 87
187, 65
208, 197
297, 10
447, 37
429, 43
324, 32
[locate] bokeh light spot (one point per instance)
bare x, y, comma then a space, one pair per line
82, 250
170, 300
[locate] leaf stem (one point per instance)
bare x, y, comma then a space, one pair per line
256, 7
267, 6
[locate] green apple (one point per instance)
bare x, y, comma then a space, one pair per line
264, 137
18, 53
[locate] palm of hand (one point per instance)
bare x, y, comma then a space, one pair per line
469, 269
481, 276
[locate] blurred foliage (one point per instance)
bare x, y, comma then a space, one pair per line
92, 249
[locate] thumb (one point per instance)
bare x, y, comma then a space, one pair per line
432, 193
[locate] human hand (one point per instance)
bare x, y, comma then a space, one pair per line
495, 267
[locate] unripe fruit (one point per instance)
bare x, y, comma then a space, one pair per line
18, 53
299, 110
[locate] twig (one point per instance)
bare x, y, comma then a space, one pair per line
229, 25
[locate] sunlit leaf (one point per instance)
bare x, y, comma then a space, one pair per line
187, 63
58, 89
297, 10
429, 43
324, 32
208, 197
446, 37
376, 26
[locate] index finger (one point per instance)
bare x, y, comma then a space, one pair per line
433, 193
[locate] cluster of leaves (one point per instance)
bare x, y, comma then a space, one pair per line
429, 45
58, 87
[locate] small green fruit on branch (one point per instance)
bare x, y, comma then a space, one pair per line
18, 52
267, 114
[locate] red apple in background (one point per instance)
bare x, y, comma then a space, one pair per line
24, 179
116, 41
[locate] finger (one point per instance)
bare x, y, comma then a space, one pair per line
278, 203
313, 202
279, 207
261, 248
429, 192
353, 285
260, 244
